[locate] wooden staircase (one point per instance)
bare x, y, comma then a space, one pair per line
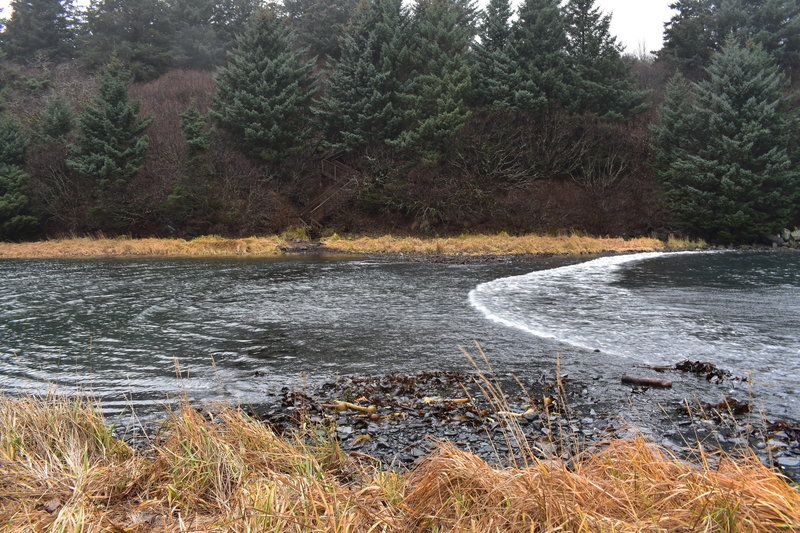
341, 178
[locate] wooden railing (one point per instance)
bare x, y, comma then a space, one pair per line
337, 171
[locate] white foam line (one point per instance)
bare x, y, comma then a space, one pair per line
609, 264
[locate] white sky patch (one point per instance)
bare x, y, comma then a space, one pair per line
637, 24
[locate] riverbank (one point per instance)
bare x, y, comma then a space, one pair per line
64, 470
476, 246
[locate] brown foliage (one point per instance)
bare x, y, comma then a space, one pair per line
164, 99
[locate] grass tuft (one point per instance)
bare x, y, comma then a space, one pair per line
62, 470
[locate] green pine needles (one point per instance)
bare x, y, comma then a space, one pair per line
495, 73
111, 145
264, 93
433, 97
361, 104
16, 222
726, 148
599, 83
39, 28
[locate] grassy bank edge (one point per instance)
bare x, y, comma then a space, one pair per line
61, 469
275, 246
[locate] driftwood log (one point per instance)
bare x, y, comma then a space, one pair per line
647, 382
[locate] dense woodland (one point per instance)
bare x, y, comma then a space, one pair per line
190, 117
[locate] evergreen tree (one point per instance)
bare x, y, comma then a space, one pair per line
540, 42
264, 93
137, 32
678, 130
198, 136
192, 205
601, 82
111, 146
39, 27
701, 27
16, 222
202, 31
360, 106
319, 24
775, 25
495, 73
13, 142
726, 151
57, 120
231, 17
433, 98
195, 43
468, 16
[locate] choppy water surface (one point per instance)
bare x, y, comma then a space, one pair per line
138, 332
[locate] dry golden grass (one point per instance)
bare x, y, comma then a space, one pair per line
211, 246
501, 244
61, 470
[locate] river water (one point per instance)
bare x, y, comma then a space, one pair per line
141, 333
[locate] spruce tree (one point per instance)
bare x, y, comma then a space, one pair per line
231, 17
728, 158
601, 83
16, 222
192, 205
111, 146
264, 93
137, 32
679, 129
39, 27
195, 43
57, 120
360, 105
540, 42
495, 72
13, 142
688, 37
702, 27
433, 98
319, 25
202, 31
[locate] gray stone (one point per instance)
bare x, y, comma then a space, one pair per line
786, 234
795, 234
775, 443
789, 461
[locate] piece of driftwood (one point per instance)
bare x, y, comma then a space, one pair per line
647, 382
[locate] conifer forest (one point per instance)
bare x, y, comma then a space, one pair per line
180, 118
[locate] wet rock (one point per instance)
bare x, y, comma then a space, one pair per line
706, 369
734, 406
775, 443
789, 461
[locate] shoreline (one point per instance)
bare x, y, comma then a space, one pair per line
466, 248
395, 418
223, 470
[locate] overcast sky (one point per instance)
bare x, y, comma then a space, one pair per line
637, 23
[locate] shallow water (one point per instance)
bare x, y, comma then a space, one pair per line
144, 332
738, 310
